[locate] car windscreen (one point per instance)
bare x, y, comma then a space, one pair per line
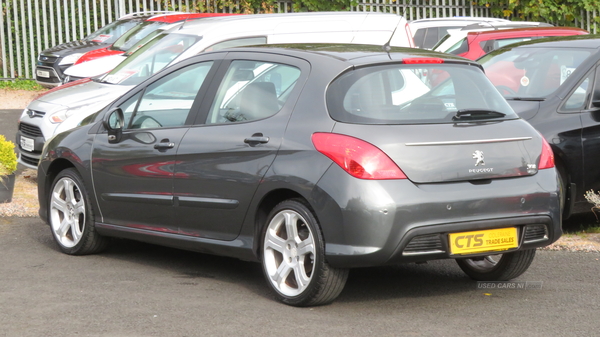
532, 72
150, 59
415, 94
136, 34
111, 32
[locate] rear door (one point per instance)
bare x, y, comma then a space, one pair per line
133, 175
222, 160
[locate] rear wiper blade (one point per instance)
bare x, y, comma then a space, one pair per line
463, 114
535, 99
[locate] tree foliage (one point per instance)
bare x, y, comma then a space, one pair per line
268, 6
559, 12
320, 5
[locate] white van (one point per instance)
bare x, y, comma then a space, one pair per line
63, 109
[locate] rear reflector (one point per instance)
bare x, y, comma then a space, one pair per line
547, 156
421, 60
357, 157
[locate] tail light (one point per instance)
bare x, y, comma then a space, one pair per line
547, 156
357, 157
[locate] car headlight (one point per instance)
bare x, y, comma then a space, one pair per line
61, 115
70, 59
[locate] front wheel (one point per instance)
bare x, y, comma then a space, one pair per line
71, 217
293, 257
500, 267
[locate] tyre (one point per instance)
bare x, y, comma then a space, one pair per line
71, 217
500, 267
293, 257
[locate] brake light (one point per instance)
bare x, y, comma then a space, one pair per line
357, 157
422, 60
547, 156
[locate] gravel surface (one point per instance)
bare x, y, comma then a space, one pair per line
24, 202
17, 99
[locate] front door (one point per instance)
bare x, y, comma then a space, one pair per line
133, 176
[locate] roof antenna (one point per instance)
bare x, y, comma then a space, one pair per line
387, 46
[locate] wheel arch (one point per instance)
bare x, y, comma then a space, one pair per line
566, 177
55, 167
267, 203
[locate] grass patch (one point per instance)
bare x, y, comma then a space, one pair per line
19, 84
585, 230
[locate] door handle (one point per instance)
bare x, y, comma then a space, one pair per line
256, 138
164, 145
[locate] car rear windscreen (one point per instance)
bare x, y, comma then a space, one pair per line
407, 94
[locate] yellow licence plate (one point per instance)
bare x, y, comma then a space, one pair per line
483, 241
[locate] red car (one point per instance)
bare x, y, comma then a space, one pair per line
476, 44
141, 31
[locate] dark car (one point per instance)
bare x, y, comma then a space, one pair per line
311, 160
553, 83
52, 62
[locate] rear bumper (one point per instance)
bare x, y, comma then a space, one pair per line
395, 221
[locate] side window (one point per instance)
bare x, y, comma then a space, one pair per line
431, 37
578, 97
419, 37
596, 93
166, 102
459, 47
128, 107
252, 90
251, 41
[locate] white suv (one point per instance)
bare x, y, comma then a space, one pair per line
427, 32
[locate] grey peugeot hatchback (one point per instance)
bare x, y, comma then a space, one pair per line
311, 159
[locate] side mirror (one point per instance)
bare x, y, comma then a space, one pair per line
596, 104
114, 122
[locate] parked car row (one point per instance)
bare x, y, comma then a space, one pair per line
64, 107
115, 38
314, 143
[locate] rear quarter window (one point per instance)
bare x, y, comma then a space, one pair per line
459, 47
403, 94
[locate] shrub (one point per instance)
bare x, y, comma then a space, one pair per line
8, 157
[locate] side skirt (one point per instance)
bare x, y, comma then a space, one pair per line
240, 248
